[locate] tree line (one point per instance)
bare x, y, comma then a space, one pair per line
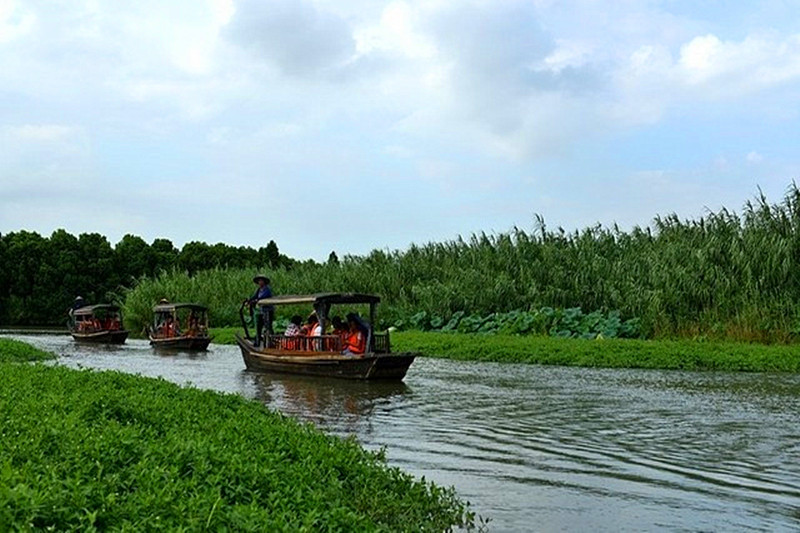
40, 276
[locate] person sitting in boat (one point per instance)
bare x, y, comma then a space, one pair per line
312, 329
171, 327
308, 327
356, 340
340, 329
292, 330
193, 324
264, 314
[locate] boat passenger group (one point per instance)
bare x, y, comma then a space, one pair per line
169, 324
349, 338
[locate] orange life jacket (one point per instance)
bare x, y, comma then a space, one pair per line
356, 342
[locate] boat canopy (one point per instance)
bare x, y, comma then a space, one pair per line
89, 310
169, 308
323, 298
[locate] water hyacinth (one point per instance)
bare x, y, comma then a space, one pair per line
88, 451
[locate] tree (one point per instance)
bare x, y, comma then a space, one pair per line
165, 255
97, 271
195, 256
272, 255
25, 253
333, 259
134, 258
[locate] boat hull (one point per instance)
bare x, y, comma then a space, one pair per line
101, 337
390, 367
181, 343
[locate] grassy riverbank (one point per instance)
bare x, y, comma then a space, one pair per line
107, 450
13, 351
607, 353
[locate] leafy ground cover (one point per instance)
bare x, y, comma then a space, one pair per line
610, 353
566, 323
13, 351
84, 450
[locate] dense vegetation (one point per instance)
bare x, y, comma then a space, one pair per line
606, 353
13, 351
40, 276
724, 275
566, 323
84, 450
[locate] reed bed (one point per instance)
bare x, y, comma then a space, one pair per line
724, 275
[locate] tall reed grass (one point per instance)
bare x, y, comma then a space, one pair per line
725, 275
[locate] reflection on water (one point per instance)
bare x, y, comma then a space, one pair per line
543, 448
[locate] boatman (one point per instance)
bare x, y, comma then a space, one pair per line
264, 314
76, 304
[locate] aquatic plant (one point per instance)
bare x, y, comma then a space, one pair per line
14, 351
86, 450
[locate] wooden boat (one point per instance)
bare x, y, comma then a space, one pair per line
99, 324
166, 332
322, 355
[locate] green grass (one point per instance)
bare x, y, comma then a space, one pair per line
225, 335
87, 450
13, 351
609, 353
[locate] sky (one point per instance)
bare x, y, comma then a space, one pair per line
353, 125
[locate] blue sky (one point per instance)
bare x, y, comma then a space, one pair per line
347, 126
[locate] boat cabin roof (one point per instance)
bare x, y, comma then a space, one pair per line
88, 310
330, 298
169, 308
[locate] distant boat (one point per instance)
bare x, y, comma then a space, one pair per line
167, 331
322, 355
99, 324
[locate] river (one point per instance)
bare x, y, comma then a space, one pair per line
542, 448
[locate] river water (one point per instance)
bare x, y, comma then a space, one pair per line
542, 448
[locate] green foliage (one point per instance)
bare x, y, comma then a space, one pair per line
609, 353
40, 276
724, 275
546, 321
13, 351
224, 335
85, 450
721, 276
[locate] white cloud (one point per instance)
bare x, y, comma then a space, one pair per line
38, 132
297, 37
246, 94
14, 20
754, 158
